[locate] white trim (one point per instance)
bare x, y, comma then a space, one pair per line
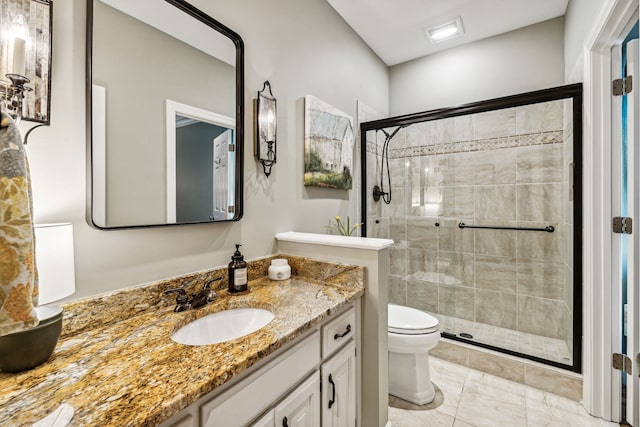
99, 155
173, 108
597, 243
333, 240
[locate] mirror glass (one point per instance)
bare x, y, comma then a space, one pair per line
165, 115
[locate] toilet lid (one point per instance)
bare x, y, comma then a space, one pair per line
409, 321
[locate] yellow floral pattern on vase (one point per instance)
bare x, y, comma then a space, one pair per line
18, 273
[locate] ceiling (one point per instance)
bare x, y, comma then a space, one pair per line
394, 29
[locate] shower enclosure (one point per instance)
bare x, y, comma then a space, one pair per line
483, 202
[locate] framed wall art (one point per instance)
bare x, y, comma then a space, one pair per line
328, 145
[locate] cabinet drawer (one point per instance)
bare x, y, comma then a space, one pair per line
338, 331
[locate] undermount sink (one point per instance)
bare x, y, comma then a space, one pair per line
222, 326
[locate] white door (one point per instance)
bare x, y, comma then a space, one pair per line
339, 389
301, 408
221, 174
631, 311
625, 201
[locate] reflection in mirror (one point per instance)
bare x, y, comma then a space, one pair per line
165, 126
200, 164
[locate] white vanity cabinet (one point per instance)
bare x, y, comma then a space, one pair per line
301, 408
339, 371
339, 389
286, 390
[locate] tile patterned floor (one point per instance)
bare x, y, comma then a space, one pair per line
535, 345
476, 399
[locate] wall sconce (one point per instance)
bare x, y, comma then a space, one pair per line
265, 131
25, 60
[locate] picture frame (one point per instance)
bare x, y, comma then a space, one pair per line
328, 145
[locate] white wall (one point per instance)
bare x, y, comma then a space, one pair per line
579, 20
523, 60
302, 47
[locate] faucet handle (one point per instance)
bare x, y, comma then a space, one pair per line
208, 284
182, 294
182, 300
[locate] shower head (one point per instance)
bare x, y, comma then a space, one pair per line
378, 191
389, 136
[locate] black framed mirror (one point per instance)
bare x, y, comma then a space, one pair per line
165, 108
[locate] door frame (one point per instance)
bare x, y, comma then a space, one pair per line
171, 109
599, 398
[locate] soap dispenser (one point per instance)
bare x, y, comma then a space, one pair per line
237, 272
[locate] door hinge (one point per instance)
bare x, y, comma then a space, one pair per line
232, 147
622, 225
622, 86
622, 363
231, 209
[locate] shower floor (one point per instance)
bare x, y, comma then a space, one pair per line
552, 349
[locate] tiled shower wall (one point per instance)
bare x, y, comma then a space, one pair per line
507, 167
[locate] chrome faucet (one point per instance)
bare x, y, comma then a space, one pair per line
199, 299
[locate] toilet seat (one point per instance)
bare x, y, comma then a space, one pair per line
409, 321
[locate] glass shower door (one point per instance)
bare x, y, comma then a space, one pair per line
484, 208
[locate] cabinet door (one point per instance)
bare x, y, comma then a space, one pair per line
339, 389
266, 421
301, 408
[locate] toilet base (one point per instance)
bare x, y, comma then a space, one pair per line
409, 377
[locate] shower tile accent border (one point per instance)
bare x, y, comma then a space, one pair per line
514, 141
545, 378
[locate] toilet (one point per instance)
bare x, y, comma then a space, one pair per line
412, 333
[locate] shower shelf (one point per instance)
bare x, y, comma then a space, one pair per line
548, 228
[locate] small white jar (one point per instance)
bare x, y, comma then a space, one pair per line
279, 269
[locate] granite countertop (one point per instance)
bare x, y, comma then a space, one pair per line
116, 365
